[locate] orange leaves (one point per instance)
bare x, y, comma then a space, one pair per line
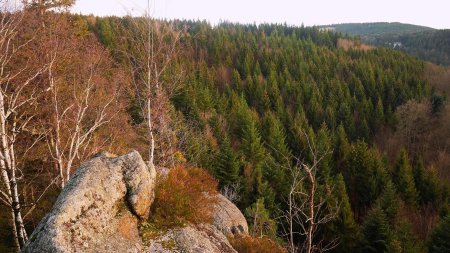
255, 245
184, 196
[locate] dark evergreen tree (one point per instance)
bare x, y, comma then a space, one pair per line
427, 183
404, 179
376, 232
344, 227
365, 176
440, 238
228, 164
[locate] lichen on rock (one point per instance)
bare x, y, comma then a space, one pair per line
89, 214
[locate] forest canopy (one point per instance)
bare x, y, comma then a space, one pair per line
257, 106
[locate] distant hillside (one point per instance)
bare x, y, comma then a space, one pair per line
433, 46
376, 29
423, 42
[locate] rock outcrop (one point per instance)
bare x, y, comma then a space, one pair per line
193, 239
228, 218
98, 210
106, 200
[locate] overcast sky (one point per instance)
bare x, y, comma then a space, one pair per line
433, 13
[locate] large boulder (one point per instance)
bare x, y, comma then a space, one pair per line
228, 218
98, 210
105, 204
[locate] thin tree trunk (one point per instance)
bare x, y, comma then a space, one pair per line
149, 88
150, 133
311, 210
291, 224
18, 221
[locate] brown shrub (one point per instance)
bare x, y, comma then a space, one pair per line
256, 245
184, 197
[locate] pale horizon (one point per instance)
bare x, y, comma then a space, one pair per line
432, 13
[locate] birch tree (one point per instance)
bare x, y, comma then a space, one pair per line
81, 100
75, 122
17, 110
154, 47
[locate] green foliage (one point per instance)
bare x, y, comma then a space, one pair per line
227, 164
378, 28
437, 103
428, 45
365, 175
376, 231
389, 202
256, 96
260, 222
404, 179
428, 186
440, 238
344, 226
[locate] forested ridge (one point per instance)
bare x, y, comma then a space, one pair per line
426, 43
271, 111
369, 30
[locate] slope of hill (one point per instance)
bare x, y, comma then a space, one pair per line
433, 46
283, 117
377, 29
423, 42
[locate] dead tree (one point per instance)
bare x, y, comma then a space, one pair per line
305, 208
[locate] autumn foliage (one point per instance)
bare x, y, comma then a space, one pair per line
256, 245
185, 196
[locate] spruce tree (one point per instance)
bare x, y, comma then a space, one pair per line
404, 179
365, 176
427, 184
376, 232
440, 238
344, 226
260, 222
389, 202
228, 165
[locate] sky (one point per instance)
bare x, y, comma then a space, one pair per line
432, 13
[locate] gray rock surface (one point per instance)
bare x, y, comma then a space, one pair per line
192, 239
228, 218
101, 207
98, 210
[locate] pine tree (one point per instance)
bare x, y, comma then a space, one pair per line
259, 217
376, 231
379, 115
344, 226
404, 180
440, 238
365, 176
228, 165
389, 202
275, 139
427, 184
276, 167
342, 146
254, 155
